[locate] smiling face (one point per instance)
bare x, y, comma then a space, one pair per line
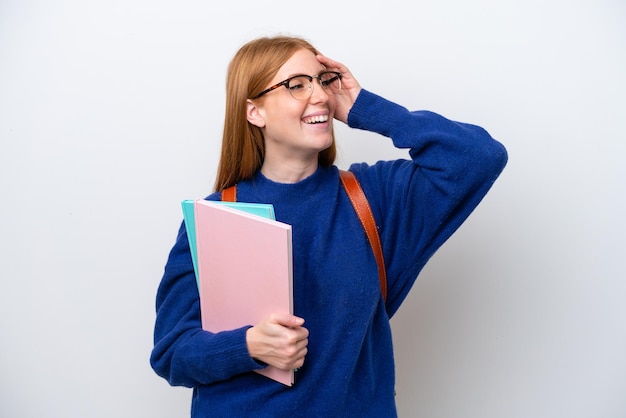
295, 131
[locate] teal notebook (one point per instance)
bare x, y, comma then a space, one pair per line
259, 209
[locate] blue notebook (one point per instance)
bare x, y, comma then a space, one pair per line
260, 209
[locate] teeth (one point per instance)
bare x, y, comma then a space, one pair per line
316, 119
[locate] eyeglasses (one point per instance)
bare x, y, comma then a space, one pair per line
301, 86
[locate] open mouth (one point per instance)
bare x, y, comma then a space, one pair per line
316, 119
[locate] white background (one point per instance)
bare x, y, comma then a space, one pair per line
111, 114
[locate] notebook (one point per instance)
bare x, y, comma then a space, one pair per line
244, 265
260, 209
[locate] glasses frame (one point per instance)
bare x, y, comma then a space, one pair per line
309, 77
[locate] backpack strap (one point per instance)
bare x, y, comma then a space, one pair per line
364, 213
230, 194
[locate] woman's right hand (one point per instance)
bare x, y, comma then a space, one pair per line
350, 88
279, 340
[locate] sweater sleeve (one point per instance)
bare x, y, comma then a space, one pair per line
184, 354
419, 203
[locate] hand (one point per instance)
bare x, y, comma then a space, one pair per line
350, 88
279, 340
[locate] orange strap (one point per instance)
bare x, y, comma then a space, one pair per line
364, 213
230, 194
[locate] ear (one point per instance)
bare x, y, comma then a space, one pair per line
254, 115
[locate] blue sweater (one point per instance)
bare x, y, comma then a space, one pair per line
349, 368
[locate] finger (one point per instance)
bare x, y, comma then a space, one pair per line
348, 79
331, 64
286, 320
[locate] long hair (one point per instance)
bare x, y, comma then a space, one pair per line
249, 72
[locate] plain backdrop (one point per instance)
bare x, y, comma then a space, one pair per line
111, 114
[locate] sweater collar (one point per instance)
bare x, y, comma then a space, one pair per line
305, 188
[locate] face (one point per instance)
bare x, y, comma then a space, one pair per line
295, 129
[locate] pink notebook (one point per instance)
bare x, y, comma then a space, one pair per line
245, 270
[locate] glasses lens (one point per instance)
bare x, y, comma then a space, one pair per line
300, 87
331, 81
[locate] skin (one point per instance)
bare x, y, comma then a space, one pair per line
291, 155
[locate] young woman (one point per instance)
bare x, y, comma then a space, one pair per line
278, 147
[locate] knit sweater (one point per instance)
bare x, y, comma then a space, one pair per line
348, 371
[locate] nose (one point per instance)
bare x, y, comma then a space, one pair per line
318, 94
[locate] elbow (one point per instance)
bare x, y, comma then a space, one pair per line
496, 158
492, 156
499, 157
162, 363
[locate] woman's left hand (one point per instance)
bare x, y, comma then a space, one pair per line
350, 88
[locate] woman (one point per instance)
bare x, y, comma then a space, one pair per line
278, 147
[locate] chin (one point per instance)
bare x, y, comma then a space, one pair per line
325, 146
